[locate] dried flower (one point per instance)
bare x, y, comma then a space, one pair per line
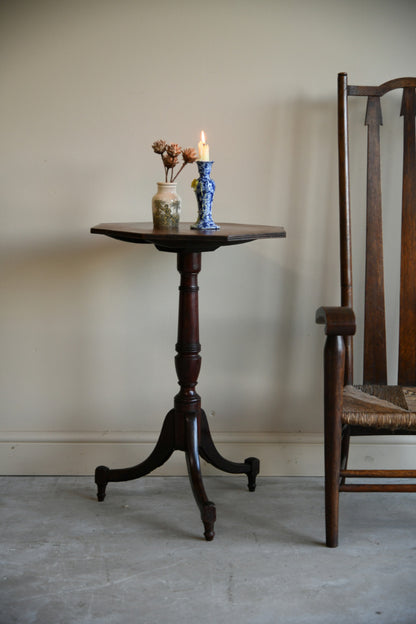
173, 149
170, 154
169, 161
189, 155
159, 146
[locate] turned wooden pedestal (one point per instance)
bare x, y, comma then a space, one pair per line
185, 427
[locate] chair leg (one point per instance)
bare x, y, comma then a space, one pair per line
334, 374
345, 448
332, 470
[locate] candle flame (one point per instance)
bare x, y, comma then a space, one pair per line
203, 136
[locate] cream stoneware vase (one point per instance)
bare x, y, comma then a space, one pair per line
166, 207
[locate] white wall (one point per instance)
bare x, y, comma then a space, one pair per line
88, 325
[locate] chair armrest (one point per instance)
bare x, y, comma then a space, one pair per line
339, 321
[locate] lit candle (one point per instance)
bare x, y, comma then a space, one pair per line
203, 148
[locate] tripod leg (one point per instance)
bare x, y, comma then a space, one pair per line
160, 454
209, 453
206, 507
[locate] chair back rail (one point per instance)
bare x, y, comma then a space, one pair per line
345, 217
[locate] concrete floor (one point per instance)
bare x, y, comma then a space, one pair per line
140, 558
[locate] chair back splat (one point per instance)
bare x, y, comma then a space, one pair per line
407, 336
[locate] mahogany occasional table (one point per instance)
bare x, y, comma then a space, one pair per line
185, 427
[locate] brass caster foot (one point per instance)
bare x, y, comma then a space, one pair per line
101, 480
209, 515
254, 464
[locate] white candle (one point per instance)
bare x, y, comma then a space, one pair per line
203, 148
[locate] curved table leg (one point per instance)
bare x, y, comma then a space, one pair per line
206, 507
209, 453
160, 454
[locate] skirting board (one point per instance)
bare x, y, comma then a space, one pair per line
280, 454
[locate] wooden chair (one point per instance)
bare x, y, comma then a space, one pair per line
373, 407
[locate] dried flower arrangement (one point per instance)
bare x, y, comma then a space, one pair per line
170, 156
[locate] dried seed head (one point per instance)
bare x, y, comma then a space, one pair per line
159, 146
189, 155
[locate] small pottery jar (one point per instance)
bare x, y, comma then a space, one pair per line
166, 206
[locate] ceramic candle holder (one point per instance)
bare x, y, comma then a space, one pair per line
204, 191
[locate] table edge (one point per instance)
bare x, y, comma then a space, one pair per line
214, 237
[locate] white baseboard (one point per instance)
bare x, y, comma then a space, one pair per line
280, 454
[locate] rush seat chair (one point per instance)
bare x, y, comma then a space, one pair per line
372, 407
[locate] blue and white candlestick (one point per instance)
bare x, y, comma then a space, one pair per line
204, 191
